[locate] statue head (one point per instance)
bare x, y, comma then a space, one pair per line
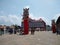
26, 10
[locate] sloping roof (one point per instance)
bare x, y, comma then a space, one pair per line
39, 20
58, 20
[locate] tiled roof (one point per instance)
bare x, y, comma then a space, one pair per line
58, 20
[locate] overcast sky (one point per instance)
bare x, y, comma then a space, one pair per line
11, 10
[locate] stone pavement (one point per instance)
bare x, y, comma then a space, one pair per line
39, 38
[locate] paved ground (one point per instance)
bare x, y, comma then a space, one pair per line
39, 38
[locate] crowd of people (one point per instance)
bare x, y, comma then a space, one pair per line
13, 30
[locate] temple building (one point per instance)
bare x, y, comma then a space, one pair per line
32, 22
58, 25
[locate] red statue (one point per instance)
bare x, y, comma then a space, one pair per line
25, 19
53, 26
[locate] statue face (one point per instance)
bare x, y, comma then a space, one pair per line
26, 9
25, 13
